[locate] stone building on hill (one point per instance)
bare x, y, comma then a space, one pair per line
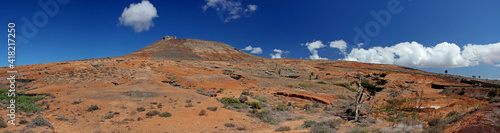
168, 38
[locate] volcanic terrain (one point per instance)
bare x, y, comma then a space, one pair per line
191, 85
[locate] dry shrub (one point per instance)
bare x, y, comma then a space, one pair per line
404, 128
494, 116
330, 126
477, 95
282, 129
495, 100
39, 122
436, 125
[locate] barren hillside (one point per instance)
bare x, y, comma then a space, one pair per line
189, 85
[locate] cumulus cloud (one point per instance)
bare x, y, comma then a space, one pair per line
313, 46
442, 55
339, 44
229, 10
139, 16
253, 50
488, 54
277, 53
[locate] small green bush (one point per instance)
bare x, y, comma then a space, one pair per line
228, 72
202, 113
340, 96
23, 122
25, 103
2, 91
212, 108
239, 105
243, 99
188, 105
172, 78
309, 123
317, 105
321, 82
380, 75
436, 125
335, 123
92, 108
229, 100
330, 126
435, 122
229, 125
107, 116
246, 92
308, 108
321, 128
371, 88
346, 85
76, 102
29, 107
383, 75
453, 117
303, 85
141, 109
493, 92
382, 82
255, 105
62, 118
266, 116
282, 107
165, 114
358, 130
152, 113
261, 99
282, 129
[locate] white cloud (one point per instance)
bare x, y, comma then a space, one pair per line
251, 8
360, 44
442, 55
488, 54
497, 65
313, 46
253, 50
229, 9
139, 16
339, 44
277, 53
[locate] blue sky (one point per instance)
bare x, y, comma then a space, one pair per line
434, 29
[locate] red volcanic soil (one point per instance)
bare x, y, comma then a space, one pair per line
188, 78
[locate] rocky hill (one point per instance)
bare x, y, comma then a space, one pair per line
193, 49
190, 85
